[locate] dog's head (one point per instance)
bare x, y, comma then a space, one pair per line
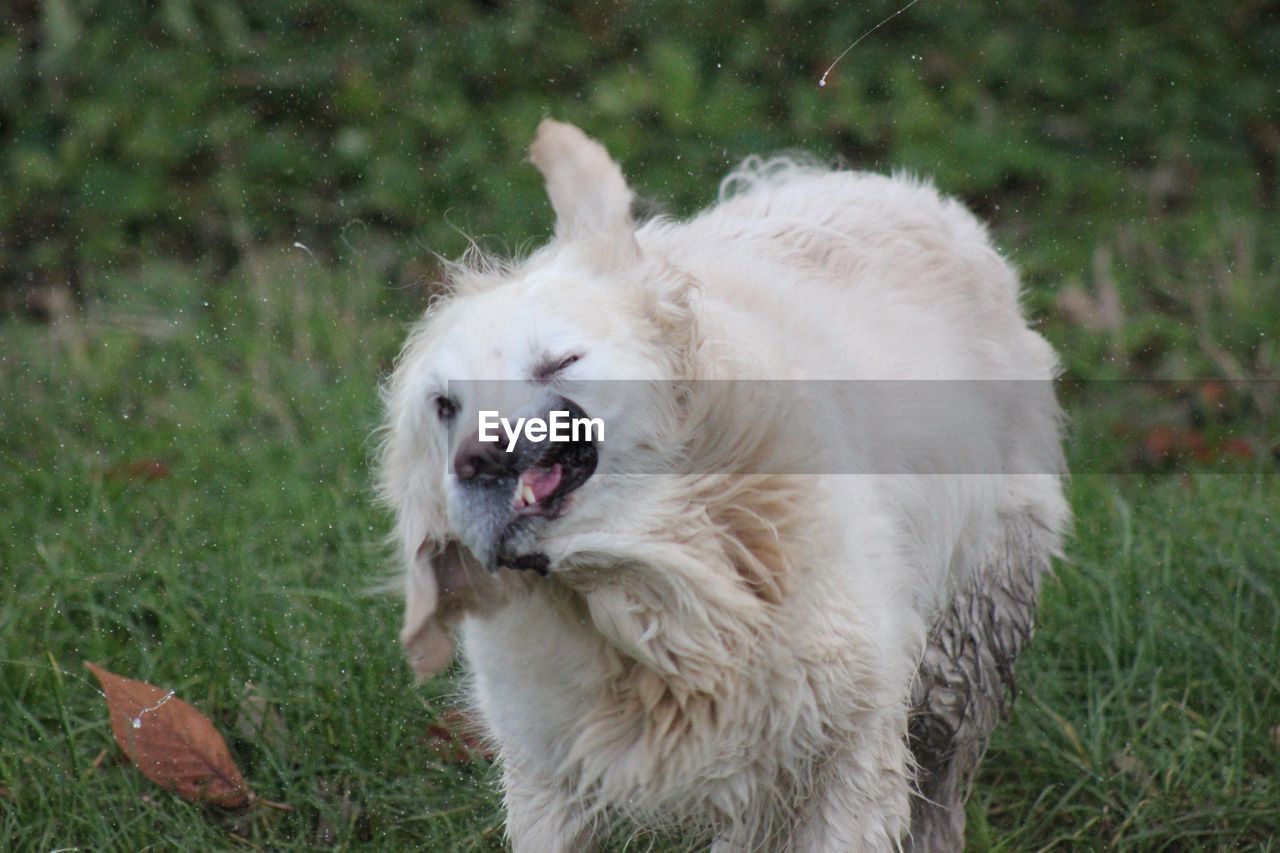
589, 332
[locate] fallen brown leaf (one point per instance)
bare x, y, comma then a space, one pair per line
172, 743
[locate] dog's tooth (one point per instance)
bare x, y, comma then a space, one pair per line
527, 495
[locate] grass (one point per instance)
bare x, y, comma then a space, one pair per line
1149, 713
191, 507
187, 501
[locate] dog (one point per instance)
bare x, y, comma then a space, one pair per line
776, 605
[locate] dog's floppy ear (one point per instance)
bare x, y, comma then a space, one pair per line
438, 571
425, 640
586, 187
441, 585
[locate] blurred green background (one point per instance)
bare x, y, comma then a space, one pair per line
131, 131
217, 219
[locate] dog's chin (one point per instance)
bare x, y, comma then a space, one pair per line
500, 537
518, 545
505, 543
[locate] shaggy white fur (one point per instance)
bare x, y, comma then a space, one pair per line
724, 645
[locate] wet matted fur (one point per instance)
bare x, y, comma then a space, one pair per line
706, 636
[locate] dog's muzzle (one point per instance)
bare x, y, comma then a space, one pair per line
505, 495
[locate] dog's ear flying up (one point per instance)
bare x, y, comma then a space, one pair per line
590, 197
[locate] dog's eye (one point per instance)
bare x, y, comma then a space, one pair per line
548, 368
446, 408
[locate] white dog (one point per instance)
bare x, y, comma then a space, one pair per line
774, 615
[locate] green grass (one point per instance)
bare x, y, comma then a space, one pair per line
187, 500
1151, 694
256, 558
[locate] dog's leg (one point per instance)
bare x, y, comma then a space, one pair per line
937, 815
861, 800
966, 680
541, 817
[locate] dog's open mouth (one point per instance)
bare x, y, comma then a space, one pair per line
507, 494
542, 488
542, 493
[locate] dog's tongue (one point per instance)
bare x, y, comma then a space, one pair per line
537, 484
545, 482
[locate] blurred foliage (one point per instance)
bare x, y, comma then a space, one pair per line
196, 130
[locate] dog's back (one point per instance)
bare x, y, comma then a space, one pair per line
923, 296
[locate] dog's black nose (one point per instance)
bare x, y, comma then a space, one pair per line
482, 459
